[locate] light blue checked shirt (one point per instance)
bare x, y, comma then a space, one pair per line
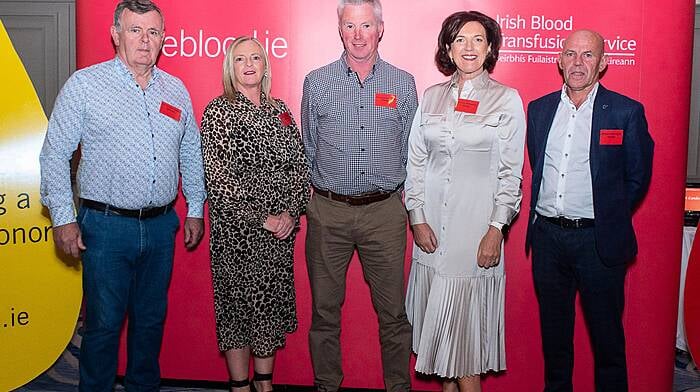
353, 145
131, 153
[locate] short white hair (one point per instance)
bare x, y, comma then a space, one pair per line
376, 5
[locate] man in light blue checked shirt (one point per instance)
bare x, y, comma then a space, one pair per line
356, 116
137, 133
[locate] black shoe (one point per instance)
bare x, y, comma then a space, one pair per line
261, 377
238, 384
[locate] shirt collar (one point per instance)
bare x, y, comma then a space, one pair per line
589, 98
264, 103
478, 82
378, 63
124, 71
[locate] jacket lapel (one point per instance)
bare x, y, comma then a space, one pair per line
544, 117
601, 108
550, 110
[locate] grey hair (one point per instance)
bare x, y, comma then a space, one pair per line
376, 5
138, 6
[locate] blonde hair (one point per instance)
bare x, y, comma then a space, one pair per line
229, 77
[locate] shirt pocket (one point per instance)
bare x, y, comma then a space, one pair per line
389, 118
428, 119
334, 114
432, 126
476, 132
336, 123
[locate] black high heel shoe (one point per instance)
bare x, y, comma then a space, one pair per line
261, 377
238, 384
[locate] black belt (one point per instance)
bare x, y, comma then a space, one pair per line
143, 213
358, 200
565, 223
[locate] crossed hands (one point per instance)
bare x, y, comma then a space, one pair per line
280, 225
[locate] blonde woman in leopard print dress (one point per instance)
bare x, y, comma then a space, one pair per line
257, 182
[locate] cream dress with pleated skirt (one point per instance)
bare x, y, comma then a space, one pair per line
464, 172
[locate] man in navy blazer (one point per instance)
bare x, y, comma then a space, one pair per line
591, 157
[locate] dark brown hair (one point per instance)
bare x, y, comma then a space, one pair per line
137, 6
449, 31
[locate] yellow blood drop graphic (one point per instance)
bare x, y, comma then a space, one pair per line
40, 292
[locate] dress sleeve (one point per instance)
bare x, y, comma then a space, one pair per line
227, 196
415, 171
299, 184
511, 141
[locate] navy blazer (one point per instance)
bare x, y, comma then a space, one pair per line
620, 173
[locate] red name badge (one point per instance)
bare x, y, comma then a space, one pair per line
286, 119
466, 106
611, 137
170, 111
385, 100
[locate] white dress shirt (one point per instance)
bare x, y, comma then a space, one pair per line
566, 188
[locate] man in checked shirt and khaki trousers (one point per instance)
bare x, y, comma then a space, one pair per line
356, 116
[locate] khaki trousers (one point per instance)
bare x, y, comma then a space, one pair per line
378, 232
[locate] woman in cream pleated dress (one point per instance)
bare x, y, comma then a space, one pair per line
462, 189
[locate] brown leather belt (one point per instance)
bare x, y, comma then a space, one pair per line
358, 200
143, 213
566, 223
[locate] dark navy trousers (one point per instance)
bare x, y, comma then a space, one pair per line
565, 261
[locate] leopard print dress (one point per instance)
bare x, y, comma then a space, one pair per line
255, 166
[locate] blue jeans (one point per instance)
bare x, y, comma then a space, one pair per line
126, 269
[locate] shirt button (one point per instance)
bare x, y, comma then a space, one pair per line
569, 135
154, 158
562, 174
154, 181
560, 196
566, 155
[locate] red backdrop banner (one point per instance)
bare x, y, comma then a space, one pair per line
650, 46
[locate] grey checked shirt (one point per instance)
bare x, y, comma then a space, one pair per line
131, 152
353, 145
